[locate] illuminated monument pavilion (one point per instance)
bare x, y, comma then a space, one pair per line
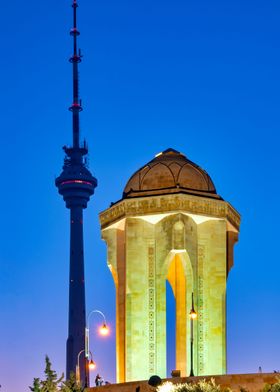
170, 225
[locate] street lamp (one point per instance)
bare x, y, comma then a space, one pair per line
91, 366
103, 330
193, 316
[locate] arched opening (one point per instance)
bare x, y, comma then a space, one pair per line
178, 299
177, 279
177, 269
170, 330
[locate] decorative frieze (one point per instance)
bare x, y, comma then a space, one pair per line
170, 203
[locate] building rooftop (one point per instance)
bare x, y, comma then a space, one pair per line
170, 172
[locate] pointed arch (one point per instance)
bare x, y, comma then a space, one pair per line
180, 277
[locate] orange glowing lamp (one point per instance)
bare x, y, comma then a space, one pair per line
91, 365
104, 330
193, 314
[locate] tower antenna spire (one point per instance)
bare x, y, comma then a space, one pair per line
75, 60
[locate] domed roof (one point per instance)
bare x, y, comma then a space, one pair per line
170, 172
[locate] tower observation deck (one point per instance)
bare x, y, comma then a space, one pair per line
76, 184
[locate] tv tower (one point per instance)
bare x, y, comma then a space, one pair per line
76, 184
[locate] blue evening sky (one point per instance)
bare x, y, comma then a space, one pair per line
198, 76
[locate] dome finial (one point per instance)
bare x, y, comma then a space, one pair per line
169, 151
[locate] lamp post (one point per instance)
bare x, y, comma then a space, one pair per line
103, 330
193, 316
91, 365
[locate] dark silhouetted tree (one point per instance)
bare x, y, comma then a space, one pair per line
52, 382
71, 385
36, 385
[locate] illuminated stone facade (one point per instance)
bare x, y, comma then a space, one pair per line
179, 231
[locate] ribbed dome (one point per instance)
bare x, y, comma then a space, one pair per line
170, 172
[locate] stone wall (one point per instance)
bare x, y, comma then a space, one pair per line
250, 382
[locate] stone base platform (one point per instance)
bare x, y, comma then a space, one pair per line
250, 382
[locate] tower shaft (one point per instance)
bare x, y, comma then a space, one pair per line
77, 317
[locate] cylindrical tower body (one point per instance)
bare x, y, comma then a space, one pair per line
170, 226
76, 184
77, 311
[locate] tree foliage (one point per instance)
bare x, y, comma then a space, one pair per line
71, 385
53, 383
36, 385
272, 387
